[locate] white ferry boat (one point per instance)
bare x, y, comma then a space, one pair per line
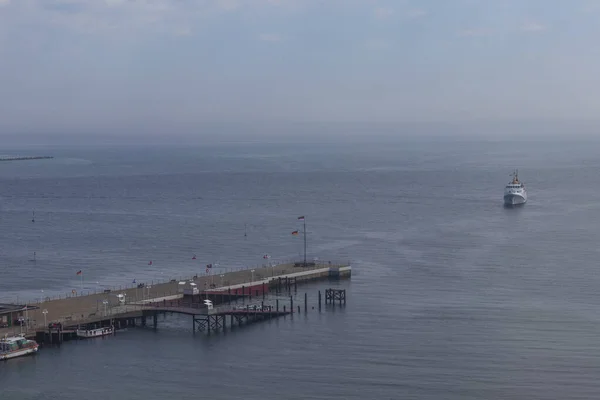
515, 192
91, 333
16, 346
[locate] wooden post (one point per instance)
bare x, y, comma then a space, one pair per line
263, 290
229, 294
319, 300
291, 303
243, 294
295, 284
298, 309
277, 305
305, 302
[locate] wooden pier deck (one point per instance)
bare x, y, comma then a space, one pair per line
91, 308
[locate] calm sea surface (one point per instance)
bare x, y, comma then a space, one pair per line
452, 296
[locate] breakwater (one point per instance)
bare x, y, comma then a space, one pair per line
23, 158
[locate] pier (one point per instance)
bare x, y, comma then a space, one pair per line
209, 305
24, 158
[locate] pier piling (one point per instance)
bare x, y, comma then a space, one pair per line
319, 300
305, 301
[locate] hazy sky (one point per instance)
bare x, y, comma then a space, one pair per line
76, 64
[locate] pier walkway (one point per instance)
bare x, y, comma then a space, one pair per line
100, 306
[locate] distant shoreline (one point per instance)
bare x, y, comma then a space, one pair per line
25, 158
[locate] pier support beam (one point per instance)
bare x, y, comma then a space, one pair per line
331, 295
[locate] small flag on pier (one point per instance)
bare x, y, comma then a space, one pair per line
194, 257
79, 272
150, 263
301, 218
133, 281
295, 233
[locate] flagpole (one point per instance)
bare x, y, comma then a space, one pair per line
304, 241
81, 282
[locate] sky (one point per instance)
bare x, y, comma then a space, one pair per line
172, 65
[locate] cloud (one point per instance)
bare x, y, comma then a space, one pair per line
270, 37
477, 32
183, 31
228, 5
533, 26
529, 27
377, 44
416, 13
174, 17
383, 12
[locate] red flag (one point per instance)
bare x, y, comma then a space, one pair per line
193, 258
150, 263
79, 272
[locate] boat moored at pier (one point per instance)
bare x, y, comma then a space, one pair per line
16, 346
92, 333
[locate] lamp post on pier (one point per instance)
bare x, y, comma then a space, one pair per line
45, 312
303, 219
